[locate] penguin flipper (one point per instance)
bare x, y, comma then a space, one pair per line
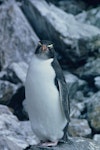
62, 88
64, 98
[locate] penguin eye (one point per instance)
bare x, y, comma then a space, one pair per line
39, 43
50, 46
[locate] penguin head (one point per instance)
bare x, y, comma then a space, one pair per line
45, 50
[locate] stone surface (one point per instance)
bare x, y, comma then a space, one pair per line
77, 144
17, 40
79, 96
69, 35
7, 90
91, 16
5, 110
72, 6
8, 75
74, 83
14, 135
93, 111
91, 69
79, 127
16, 103
97, 82
96, 137
76, 108
20, 69
26, 131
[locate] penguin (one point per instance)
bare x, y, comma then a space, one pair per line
46, 94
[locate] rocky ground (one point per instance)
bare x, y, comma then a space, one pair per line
74, 28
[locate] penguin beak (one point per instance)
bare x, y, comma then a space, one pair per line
44, 47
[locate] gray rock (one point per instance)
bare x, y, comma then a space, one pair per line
69, 35
14, 135
26, 131
7, 90
8, 75
79, 127
5, 110
91, 16
96, 137
97, 82
90, 69
77, 144
20, 69
79, 96
93, 111
76, 108
17, 40
74, 83
72, 6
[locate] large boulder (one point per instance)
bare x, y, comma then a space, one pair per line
90, 71
17, 39
71, 37
91, 16
73, 83
20, 70
14, 135
72, 6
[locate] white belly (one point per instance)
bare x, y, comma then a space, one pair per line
42, 98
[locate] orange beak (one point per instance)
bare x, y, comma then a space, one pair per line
44, 47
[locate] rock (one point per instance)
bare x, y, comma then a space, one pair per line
90, 69
77, 144
73, 6
7, 90
96, 137
97, 82
8, 75
14, 135
74, 83
27, 132
69, 36
12, 92
76, 109
91, 16
79, 96
5, 110
93, 111
16, 103
18, 40
20, 69
79, 127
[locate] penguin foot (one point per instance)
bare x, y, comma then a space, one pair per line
68, 141
61, 141
49, 144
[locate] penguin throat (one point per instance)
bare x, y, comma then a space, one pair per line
43, 57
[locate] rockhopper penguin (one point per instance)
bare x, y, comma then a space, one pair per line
47, 96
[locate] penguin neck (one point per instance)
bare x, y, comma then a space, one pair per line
41, 60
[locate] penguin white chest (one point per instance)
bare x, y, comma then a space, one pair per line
42, 98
